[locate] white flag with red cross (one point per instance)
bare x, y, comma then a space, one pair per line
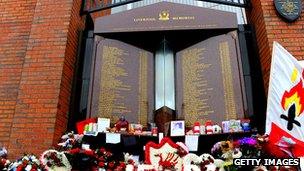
285, 104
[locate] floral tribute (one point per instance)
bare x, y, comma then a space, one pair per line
106, 161
27, 162
69, 141
54, 160
4, 163
164, 155
228, 150
71, 154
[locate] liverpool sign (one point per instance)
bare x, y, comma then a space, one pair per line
289, 9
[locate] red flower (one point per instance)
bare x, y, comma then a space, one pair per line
24, 162
89, 152
53, 155
130, 161
49, 164
101, 159
102, 150
108, 154
19, 168
119, 168
111, 164
236, 144
74, 151
123, 165
34, 166
3, 161
101, 164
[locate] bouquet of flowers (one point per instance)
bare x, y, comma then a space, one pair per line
4, 163
105, 161
70, 140
249, 147
27, 162
54, 160
226, 151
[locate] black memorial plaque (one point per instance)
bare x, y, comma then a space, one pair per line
209, 85
123, 80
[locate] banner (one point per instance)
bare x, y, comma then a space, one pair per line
285, 116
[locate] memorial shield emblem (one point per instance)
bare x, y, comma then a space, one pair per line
289, 9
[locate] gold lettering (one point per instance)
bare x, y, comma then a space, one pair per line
195, 86
144, 19
110, 85
143, 88
230, 106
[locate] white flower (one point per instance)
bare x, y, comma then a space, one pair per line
189, 158
33, 158
28, 167
206, 157
25, 158
13, 165
210, 167
219, 164
237, 153
36, 161
191, 168
3, 152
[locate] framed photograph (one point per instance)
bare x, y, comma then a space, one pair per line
177, 128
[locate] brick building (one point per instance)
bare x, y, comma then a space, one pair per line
41, 46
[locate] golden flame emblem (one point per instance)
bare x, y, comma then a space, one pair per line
164, 15
294, 96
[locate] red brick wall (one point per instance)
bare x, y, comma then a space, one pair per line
270, 27
75, 26
15, 23
37, 56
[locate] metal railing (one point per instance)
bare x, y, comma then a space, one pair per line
90, 6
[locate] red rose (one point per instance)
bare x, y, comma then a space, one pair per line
53, 155
111, 164
101, 159
101, 164
119, 168
123, 165
102, 150
19, 168
74, 151
89, 152
49, 164
108, 154
130, 161
34, 166
236, 143
24, 162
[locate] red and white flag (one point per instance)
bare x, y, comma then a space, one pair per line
285, 104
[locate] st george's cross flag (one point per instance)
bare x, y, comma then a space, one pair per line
285, 104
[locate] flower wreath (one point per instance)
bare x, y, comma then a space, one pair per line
165, 154
52, 159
